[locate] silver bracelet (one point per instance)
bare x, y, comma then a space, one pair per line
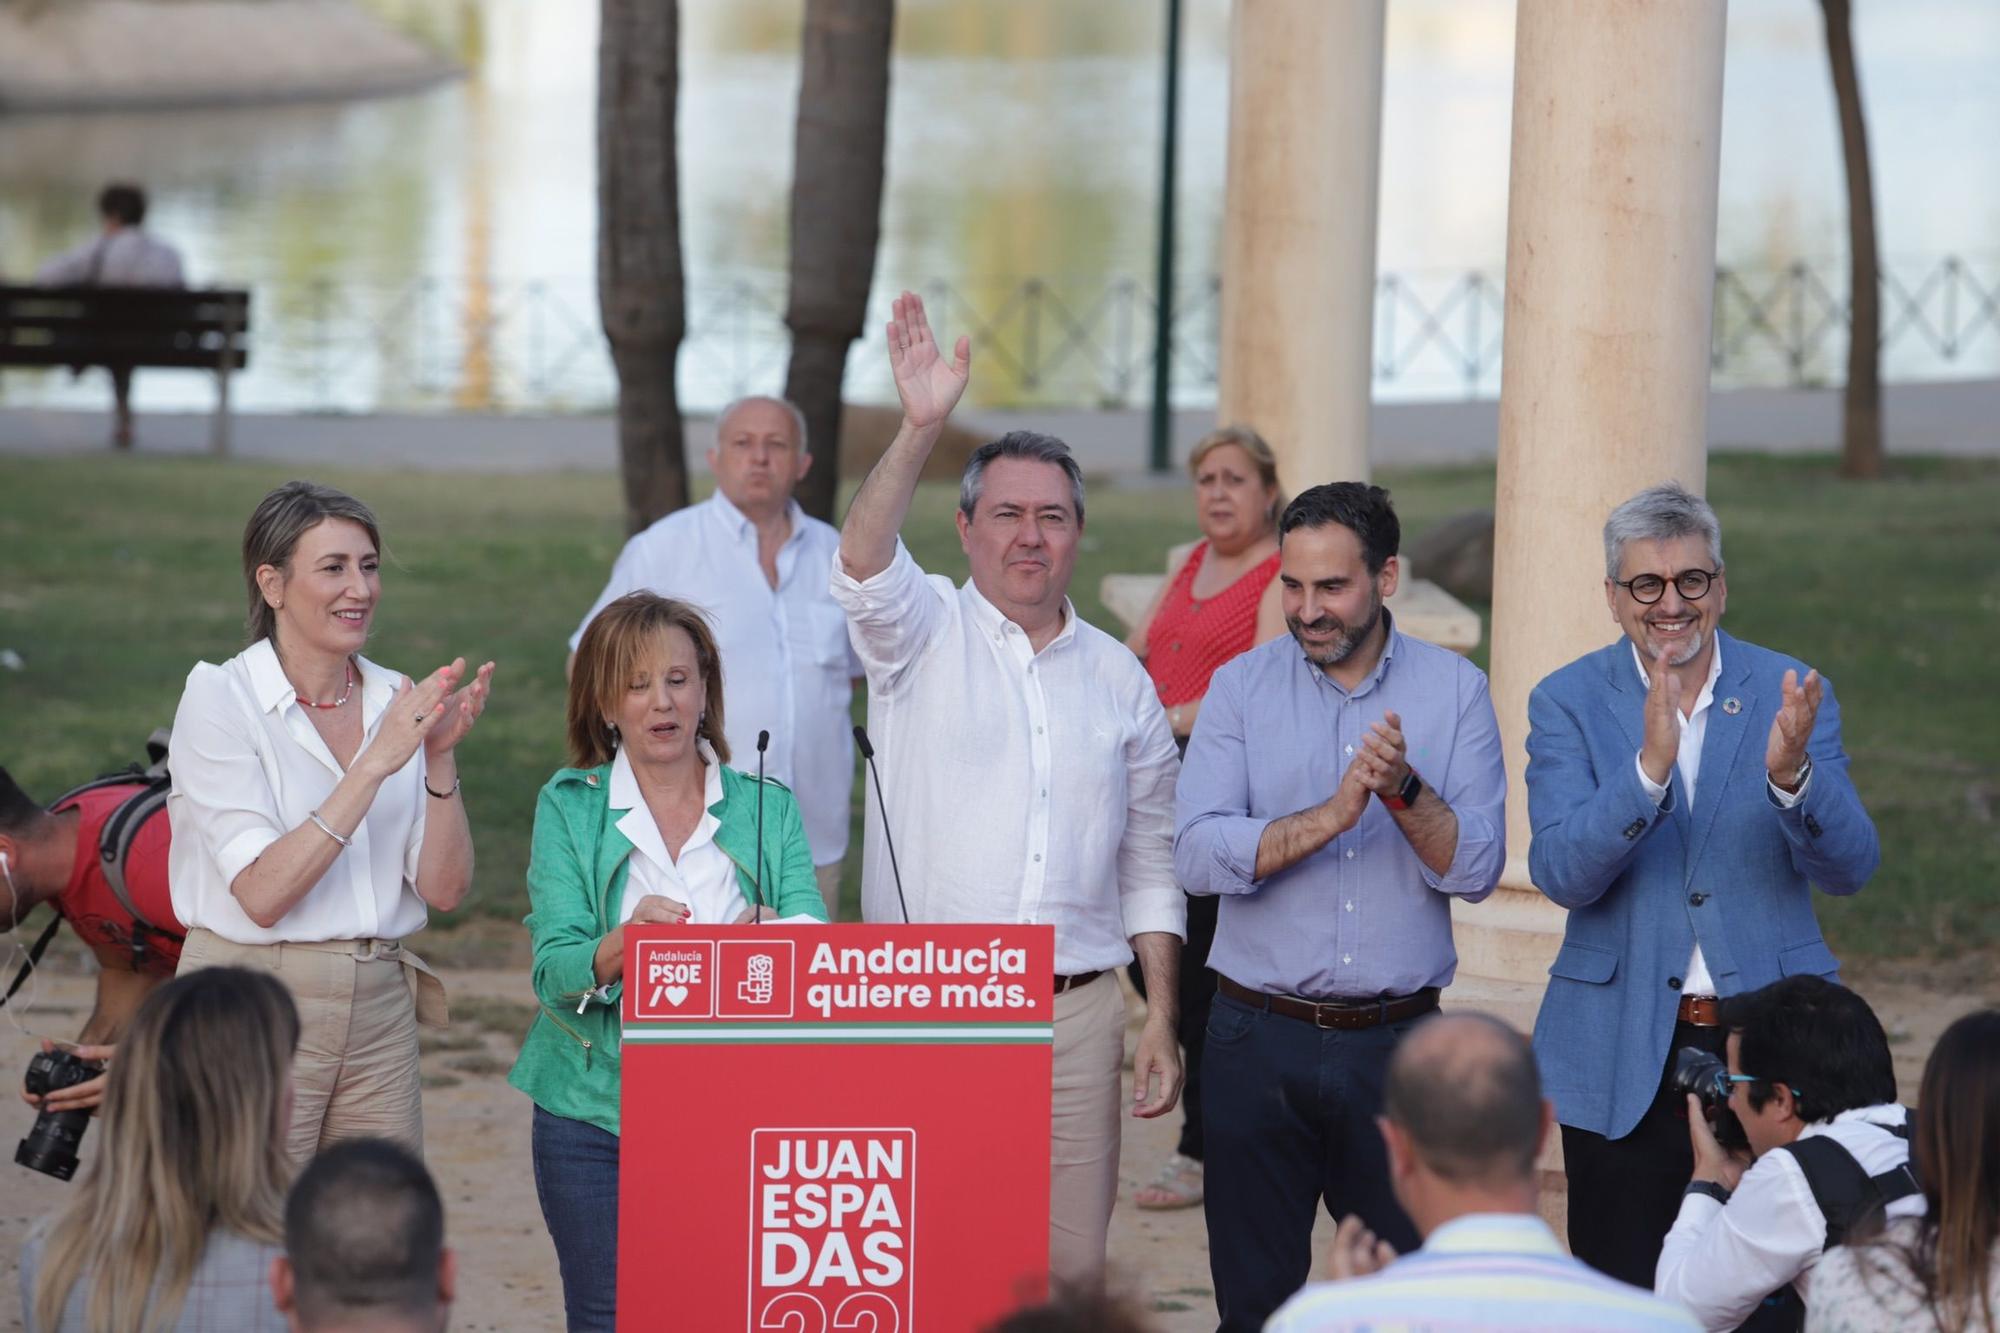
327, 829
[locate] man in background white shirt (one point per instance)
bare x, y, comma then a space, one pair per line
122, 254
1026, 762
755, 563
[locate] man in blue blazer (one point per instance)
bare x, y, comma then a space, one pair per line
1686, 790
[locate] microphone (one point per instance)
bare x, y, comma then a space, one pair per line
757, 886
868, 753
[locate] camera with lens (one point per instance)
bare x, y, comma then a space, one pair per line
51, 1145
1706, 1075
1701, 1073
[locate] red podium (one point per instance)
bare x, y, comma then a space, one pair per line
834, 1129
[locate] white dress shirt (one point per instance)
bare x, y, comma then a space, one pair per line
1721, 1260
786, 664
249, 768
127, 257
704, 877
1687, 762
1022, 787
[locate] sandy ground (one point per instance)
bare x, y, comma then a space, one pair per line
477, 1135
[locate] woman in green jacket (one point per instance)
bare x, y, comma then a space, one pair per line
648, 826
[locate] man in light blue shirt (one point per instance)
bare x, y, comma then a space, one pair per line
1463, 1119
1342, 786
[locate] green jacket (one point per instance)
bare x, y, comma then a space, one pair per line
576, 882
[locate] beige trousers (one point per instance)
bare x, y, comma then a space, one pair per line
356, 1073
1084, 1129
829, 887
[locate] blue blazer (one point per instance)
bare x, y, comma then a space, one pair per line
1643, 883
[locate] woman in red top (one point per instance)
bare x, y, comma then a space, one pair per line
1221, 601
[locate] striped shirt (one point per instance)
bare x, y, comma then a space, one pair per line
1492, 1272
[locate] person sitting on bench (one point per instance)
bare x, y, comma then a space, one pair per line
123, 254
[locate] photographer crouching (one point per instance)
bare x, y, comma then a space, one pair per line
98, 857
1810, 1090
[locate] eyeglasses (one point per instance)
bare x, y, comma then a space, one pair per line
1752, 1078
1693, 585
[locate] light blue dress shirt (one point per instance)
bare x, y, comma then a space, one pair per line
1363, 916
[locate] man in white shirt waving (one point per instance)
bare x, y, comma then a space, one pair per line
754, 562
1026, 761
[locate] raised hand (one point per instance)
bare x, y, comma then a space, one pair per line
1663, 722
459, 712
1785, 751
1383, 760
928, 385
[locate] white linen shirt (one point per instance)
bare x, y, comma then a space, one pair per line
704, 878
1721, 1260
1022, 787
786, 664
249, 768
127, 257
1687, 762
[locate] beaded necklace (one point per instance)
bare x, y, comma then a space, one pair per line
314, 703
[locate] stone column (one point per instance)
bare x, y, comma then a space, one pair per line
1604, 385
1298, 240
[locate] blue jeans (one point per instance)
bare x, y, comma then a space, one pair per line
576, 1179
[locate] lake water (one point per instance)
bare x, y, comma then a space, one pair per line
438, 250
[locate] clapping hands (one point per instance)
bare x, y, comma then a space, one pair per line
1792, 728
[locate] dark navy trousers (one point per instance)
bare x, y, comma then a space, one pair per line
1288, 1112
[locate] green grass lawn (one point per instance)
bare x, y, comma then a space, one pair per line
116, 574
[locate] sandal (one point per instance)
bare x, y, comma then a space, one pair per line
1178, 1185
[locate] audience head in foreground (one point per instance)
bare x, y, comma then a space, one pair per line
177, 1216
1940, 1270
1464, 1120
364, 1245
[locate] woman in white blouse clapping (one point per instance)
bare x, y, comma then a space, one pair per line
316, 815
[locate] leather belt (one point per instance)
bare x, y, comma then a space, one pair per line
1064, 983
1702, 1011
1343, 1015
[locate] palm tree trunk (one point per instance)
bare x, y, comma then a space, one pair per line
1861, 407
836, 215
639, 282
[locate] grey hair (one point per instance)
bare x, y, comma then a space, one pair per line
1028, 444
273, 532
792, 409
1660, 513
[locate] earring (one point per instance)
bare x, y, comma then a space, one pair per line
612, 727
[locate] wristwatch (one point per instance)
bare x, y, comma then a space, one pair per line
1406, 795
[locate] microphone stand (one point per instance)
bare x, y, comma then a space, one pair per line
868, 753
757, 885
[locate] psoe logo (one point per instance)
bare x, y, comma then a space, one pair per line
832, 1229
754, 978
676, 980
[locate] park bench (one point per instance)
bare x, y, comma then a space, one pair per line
130, 328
